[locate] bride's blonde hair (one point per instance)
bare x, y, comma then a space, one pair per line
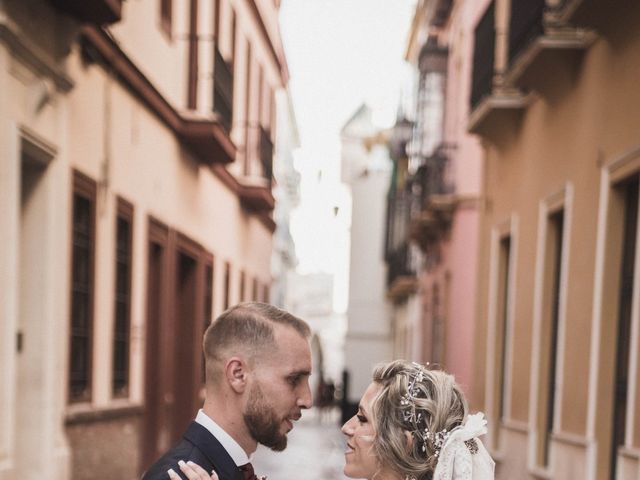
413, 406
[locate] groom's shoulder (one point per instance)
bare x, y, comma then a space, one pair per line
185, 450
182, 451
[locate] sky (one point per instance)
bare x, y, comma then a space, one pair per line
340, 54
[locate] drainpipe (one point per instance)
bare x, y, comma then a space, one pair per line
105, 166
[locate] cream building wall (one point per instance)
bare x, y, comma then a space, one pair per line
60, 113
441, 323
570, 148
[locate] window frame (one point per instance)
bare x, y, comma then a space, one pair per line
86, 188
124, 211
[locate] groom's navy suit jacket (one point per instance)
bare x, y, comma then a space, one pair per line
201, 447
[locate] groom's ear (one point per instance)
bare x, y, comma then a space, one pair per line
236, 374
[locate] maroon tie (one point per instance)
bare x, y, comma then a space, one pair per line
247, 471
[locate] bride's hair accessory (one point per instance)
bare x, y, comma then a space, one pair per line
407, 402
416, 390
425, 408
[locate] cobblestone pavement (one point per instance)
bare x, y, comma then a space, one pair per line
315, 451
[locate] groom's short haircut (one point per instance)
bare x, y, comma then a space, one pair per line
245, 328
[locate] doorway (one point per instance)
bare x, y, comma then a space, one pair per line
31, 342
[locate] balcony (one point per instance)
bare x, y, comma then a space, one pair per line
255, 190
431, 178
207, 139
400, 137
97, 12
223, 90
483, 57
541, 41
265, 152
401, 275
433, 203
441, 11
203, 136
587, 13
491, 102
259, 152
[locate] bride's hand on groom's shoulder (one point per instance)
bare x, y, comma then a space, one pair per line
192, 471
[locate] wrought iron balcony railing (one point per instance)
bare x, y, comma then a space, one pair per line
526, 23
400, 137
259, 153
223, 90
431, 179
441, 12
399, 264
483, 56
398, 217
266, 154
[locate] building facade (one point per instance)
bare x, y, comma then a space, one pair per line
136, 142
366, 171
554, 100
432, 232
287, 196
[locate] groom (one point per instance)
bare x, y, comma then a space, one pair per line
258, 362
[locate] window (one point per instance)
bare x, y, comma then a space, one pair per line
208, 304
242, 287
629, 190
247, 110
265, 293
208, 293
82, 285
233, 39
227, 284
499, 326
259, 93
254, 289
437, 327
192, 87
216, 21
503, 315
166, 16
122, 299
549, 338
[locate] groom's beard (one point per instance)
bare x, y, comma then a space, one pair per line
263, 423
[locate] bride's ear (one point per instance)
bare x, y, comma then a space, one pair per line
408, 437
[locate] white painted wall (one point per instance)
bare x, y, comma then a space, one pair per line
368, 173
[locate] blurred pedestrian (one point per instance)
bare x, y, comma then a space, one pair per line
258, 362
325, 398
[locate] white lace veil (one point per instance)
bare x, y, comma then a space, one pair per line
463, 457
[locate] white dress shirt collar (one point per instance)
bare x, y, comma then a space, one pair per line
235, 451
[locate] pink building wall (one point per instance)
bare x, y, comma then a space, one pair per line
456, 273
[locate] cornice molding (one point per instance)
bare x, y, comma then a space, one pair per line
204, 136
30, 54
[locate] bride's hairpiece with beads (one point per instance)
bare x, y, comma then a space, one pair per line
416, 419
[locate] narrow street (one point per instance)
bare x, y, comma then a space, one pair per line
314, 452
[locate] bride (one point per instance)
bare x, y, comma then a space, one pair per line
412, 424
